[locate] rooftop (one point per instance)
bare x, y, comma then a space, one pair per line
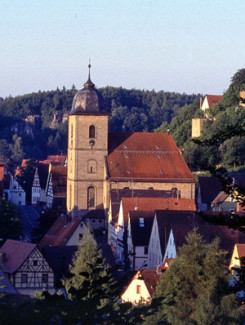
16, 253
146, 157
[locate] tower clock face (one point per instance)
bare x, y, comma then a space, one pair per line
91, 142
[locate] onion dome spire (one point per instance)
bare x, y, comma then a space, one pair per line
88, 99
88, 84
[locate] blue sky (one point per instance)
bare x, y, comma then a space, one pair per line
189, 46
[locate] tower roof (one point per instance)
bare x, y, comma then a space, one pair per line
88, 99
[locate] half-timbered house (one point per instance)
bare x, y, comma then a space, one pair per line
25, 267
144, 203
17, 194
39, 183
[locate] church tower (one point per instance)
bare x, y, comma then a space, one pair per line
87, 151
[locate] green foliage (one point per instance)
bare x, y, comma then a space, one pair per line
223, 135
180, 126
163, 128
16, 149
131, 110
83, 262
11, 226
195, 289
92, 297
231, 96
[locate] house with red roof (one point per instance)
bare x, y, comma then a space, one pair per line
170, 229
69, 231
224, 203
161, 244
141, 205
65, 231
237, 263
118, 212
25, 267
210, 100
211, 196
238, 257
142, 287
198, 123
171, 201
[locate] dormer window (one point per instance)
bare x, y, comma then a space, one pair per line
92, 132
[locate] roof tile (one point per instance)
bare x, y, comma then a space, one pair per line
146, 157
16, 253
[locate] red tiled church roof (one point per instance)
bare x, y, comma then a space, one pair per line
146, 157
153, 203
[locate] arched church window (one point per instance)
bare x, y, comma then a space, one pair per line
92, 132
91, 197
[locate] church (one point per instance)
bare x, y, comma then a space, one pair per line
102, 164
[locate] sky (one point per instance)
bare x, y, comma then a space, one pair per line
185, 46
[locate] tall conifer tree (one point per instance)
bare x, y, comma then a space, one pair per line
195, 289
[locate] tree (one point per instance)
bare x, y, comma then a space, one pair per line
16, 149
83, 261
92, 296
195, 289
231, 96
163, 128
11, 226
